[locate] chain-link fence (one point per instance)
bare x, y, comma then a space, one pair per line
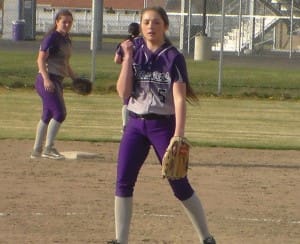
249, 25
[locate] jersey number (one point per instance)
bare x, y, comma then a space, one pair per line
162, 95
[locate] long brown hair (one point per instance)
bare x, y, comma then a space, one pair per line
191, 96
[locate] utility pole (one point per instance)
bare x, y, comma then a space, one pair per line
221, 51
96, 33
291, 28
204, 19
182, 26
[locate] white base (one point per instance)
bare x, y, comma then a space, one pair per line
81, 155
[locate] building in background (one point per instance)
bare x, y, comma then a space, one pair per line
250, 25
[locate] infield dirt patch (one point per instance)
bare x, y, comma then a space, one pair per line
250, 196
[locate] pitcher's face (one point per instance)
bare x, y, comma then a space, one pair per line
153, 27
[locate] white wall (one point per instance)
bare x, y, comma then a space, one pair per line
11, 13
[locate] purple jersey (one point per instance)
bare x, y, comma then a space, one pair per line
59, 49
154, 75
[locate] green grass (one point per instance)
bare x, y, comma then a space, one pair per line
243, 121
247, 123
216, 122
243, 81
24, 74
238, 80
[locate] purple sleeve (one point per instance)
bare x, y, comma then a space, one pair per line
138, 41
179, 70
47, 43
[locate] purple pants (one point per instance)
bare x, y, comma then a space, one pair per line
53, 102
139, 135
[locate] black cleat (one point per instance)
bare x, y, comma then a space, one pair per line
209, 240
113, 242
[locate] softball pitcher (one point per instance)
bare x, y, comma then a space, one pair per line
53, 65
155, 78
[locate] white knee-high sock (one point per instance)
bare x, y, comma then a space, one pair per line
195, 212
52, 131
123, 213
124, 115
40, 135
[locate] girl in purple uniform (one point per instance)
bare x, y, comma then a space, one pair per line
53, 64
155, 78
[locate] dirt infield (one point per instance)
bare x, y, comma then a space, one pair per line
250, 196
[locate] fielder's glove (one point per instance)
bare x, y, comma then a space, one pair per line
82, 86
176, 158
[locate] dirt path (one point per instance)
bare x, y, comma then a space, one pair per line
250, 196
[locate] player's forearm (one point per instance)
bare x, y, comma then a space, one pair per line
180, 116
42, 65
43, 69
179, 93
124, 83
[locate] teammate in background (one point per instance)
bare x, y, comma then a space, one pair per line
156, 80
134, 31
53, 66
